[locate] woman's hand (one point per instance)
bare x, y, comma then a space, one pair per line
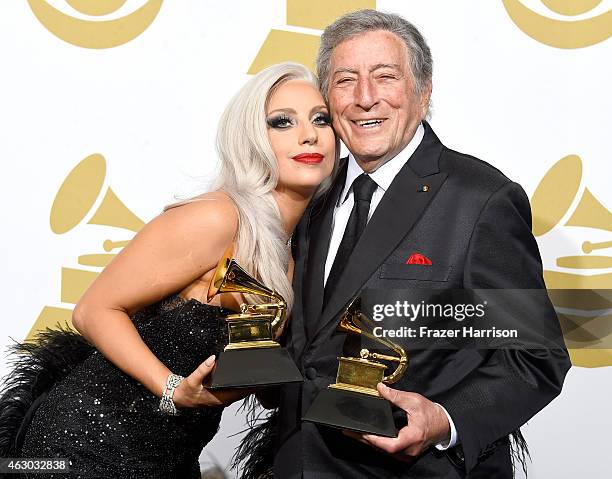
191, 392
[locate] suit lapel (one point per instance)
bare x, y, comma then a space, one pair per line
319, 229
402, 205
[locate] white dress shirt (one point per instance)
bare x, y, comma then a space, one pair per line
383, 177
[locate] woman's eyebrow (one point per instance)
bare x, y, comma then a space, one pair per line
283, 110
318, 108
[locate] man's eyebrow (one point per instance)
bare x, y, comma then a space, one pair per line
345, 70
378, 66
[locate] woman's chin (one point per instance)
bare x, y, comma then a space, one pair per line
304, 189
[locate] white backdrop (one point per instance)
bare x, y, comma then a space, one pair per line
150, 105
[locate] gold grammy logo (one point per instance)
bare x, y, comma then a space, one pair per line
583, 300
285, 45
95, 33
568, 34
80, 200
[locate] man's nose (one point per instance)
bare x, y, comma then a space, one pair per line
308, 134
365, 94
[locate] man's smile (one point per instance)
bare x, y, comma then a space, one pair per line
369, 123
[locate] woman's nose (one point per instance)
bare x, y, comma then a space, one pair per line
308, 134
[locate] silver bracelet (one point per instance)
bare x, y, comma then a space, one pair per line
166, 404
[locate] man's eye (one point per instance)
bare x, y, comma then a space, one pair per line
344, 80
280, 122
321, 119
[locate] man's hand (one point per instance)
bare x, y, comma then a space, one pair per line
427, 426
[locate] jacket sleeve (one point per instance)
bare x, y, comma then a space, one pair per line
511, 385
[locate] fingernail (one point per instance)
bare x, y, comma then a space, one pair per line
210, 361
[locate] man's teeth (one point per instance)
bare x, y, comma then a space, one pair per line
368, 122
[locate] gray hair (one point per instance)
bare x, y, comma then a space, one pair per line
362, 21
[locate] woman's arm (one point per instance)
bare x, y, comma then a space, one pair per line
168, 254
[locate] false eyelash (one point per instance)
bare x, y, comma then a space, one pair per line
278, 121
323, 116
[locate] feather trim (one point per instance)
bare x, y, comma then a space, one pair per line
254, 456
519, 451
36, 366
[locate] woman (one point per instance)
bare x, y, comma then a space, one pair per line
145, 313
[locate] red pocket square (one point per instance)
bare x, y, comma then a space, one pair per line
418, 258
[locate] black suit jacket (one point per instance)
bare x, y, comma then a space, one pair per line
475, 226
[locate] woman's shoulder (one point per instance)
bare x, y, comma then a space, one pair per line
214, 210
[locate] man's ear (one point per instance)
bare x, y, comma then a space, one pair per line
425, 97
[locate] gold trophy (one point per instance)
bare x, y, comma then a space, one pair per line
353, 401
252, 356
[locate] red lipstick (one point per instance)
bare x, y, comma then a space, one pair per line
309, 158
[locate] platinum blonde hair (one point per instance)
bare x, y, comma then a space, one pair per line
248, 174
363, 21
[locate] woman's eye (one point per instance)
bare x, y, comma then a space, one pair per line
321, 119
280, 122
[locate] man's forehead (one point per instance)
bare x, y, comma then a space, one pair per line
370, 50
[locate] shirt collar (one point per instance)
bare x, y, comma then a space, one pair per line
386, 173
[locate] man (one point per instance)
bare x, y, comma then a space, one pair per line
401, 191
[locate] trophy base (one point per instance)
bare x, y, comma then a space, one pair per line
354, 411
243, 368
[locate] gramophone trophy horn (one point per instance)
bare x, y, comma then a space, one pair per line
252, 356
353, 401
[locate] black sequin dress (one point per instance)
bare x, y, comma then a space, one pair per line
106, 423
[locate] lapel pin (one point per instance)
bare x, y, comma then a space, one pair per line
423, 189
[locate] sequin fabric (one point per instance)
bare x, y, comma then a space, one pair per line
109, 426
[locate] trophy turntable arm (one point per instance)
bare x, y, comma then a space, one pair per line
280, 319
384, 357
357, 322
280, 308
401, 358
